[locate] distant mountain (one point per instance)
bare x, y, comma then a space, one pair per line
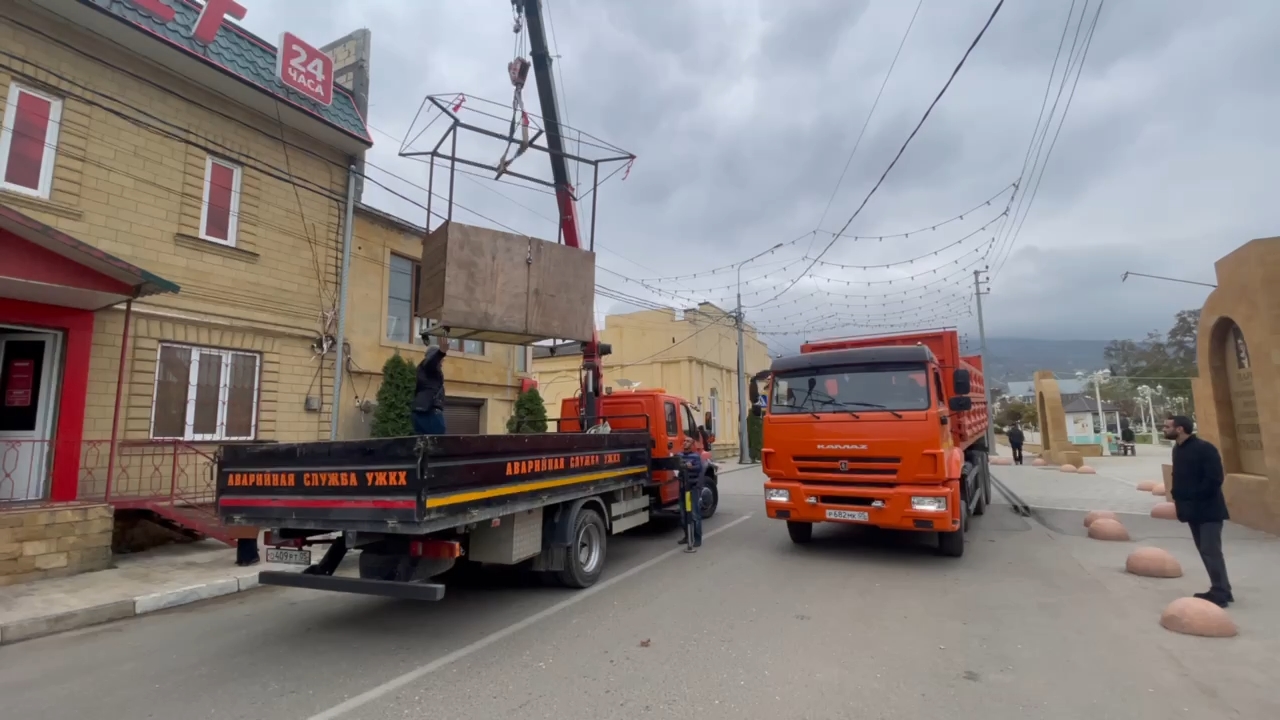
1014, 359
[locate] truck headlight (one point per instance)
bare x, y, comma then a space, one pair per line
931, 504
777, 495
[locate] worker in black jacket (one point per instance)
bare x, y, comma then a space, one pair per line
1198, 499
428, 394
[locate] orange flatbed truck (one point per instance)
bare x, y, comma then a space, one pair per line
885, 430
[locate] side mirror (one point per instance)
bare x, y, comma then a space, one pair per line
962, 382
960, 403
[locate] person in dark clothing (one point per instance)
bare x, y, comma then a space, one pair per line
1199, 502
691, 480
1016, 439
428, 394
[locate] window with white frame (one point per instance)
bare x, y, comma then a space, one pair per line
220, 210
405, 279
29, 141
204, 394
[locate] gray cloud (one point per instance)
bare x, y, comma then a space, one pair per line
742, 115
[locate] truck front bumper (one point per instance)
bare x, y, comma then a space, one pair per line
900, 507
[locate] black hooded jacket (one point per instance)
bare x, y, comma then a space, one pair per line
428, 391
1197, 482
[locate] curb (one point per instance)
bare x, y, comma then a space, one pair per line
31, 628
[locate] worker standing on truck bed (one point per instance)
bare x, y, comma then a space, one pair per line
428, 393
691, 474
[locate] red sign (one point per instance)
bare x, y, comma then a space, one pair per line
305, 69
20, 381
211, 18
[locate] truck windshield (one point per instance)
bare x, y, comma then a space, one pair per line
854, 388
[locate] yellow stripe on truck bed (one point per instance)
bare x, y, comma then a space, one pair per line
462, 497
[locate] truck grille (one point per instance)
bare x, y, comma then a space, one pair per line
857, 466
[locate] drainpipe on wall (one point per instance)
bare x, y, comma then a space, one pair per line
339, 360
115, 413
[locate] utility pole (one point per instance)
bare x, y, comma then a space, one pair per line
978, 292
744, 456
339, 359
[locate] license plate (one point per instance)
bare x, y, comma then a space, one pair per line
288, 556
848, 515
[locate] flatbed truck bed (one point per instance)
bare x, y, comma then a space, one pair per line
417, 507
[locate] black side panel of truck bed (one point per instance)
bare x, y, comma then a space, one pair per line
401, 483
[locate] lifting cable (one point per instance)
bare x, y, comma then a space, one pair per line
518, 72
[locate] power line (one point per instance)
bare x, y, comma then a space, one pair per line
871, 113
907, 142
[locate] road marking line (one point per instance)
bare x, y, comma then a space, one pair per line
394, 684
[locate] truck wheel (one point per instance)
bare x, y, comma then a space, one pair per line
986, 481
709, 500
584, 558
800, 532
951, 544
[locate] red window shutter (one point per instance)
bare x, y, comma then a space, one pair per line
218, 214
27, 146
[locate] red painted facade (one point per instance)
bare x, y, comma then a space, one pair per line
77, 328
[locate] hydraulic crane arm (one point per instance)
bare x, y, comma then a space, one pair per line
594, 351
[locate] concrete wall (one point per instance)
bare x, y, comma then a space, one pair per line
689, 355
1238, 389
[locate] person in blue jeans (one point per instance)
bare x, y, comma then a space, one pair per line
428, 394
691, 480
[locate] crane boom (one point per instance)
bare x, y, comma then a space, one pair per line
593, 352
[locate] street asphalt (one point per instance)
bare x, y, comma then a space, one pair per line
1030, 623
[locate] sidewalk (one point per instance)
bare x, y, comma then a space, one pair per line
1115, 487
161, 578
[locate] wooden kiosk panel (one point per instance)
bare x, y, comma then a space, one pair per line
494, 286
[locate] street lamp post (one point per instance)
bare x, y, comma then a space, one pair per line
744, 455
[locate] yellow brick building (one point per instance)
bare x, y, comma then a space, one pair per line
482, 380
691, 353
158, 183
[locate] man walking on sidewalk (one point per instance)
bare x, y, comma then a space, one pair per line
1198, 499
1016, 438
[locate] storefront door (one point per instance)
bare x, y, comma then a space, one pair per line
28, 380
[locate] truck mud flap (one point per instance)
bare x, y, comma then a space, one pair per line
383, 588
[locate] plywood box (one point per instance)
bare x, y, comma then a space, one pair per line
489, 285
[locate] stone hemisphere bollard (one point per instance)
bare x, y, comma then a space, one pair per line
1147, 485
1086, 470
1001, 461
1164, 511
1153, 562
1193, 616
1158, 490
1108, 529
1094, 515
1039, 462
1068, 468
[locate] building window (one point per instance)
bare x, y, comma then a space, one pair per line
522, 358
205, 394
29, 141
402, 299
220, 213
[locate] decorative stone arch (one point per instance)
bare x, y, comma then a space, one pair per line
1055, 447
1237, 394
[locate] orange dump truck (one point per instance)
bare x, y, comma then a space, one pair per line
883, 430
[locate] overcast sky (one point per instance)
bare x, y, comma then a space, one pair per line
743, 114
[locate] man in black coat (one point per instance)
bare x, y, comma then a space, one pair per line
1016, 438
1198, 499
428, 394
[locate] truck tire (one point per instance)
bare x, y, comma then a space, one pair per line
986, 480
709, 501
951, 544
800, 532
584, 558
